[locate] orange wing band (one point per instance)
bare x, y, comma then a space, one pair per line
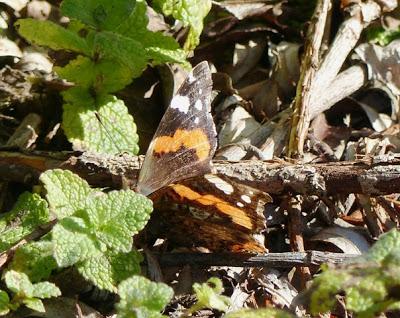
237, 215
192, 139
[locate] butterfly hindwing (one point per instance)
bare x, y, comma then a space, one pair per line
214, 212
185, 140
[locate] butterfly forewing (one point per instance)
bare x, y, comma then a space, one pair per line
185, 140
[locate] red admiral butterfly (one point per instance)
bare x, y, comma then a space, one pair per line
204, 209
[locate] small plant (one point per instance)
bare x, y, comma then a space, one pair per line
141, 297
95, 229
29, 212
369, 283
209, 295
113, 46
93, 233
183, 10
24, 292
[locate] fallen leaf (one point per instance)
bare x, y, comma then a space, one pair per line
383, 63
242, 9
346, 239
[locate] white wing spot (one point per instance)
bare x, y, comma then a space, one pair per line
181, 103
198, 105
246, 198
240, 204
196, 120
191, 78
220, 184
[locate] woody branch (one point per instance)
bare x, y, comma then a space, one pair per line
373, 176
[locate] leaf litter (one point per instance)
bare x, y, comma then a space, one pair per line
353, 116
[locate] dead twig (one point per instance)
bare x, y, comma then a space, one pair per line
296, 229
378, 175
309, 66
288, 259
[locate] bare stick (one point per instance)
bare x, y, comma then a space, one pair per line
360, 15
376, 176
288, 259
370, 218
296, 229
344, 84
26, 133
309, 66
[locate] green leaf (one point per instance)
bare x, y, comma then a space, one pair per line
130, 44
135, 26
191, 13
369, 282
139, 297
122, 49
117, 214
28, 293
34, 259
49, 34
159, 48
327, 285
34, 303
78, 71
29, 212
209, 296
381, 35
394, 306
73, 242
162, 49
125, 265
46, 290
66, 192
387, 243
108, 270
4, 302
99, 14
104, 222
80, 96
107, 128
19, 283
259, 313
368, 297
105, 76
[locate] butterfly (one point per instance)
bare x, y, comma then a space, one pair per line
196, 206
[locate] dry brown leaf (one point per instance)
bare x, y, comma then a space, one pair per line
383, 64
242, 9
246, 57
346, 239
285, 61
17, 5
9, 48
